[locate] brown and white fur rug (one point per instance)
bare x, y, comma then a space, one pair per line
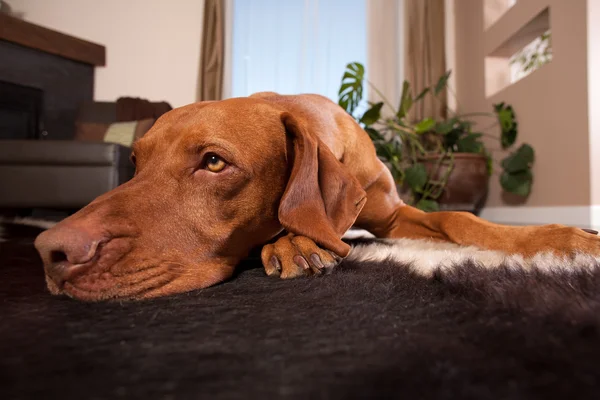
397, 319
424, 257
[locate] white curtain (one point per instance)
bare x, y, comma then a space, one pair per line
295, 46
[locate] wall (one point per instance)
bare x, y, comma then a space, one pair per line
153, 46
551, 106
593, 50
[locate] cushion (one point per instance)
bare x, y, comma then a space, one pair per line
123, 133
104, 112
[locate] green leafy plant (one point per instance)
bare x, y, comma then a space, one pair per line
535, 55
407, 147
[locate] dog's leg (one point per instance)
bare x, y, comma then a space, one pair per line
467, 229
385, 215
292, 256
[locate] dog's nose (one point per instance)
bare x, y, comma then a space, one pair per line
64, 249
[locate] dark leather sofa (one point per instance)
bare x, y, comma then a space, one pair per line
59, 174
68, 174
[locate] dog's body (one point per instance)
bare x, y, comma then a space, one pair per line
217, 179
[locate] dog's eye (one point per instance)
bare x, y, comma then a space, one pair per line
214, 163
132, 159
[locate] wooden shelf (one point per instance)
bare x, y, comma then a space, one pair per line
36, 37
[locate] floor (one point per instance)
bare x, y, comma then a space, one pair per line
369, 330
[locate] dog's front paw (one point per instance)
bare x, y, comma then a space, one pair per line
293, 256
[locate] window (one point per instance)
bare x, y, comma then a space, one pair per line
295, 46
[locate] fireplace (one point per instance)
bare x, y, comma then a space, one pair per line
20, 111
45, 76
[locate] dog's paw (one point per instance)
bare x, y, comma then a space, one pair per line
564, 241
293, 256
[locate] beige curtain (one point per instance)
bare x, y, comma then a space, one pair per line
385, 44
425, 54
210, 79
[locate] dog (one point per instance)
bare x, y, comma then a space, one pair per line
216, 179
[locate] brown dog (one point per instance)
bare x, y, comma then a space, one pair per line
217, 179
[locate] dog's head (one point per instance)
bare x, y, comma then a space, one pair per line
213, 180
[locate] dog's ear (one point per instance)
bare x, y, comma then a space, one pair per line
322, 200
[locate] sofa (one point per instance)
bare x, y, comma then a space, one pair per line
68, 174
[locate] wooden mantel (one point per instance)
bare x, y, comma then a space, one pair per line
36, 37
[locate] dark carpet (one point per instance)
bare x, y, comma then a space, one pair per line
366, 331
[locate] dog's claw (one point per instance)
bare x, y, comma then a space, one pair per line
316, 260
273, 268
293, 256
302, 263
276, 263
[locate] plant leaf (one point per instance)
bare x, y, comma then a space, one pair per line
428, 205
489, 163
374, 134
518, 183
452, 137
372, 115
351, 89
508, 124
406, 101
470, 143
388, 151
520, 160
425, 125
445, 127
421, 95
416, 177
442, 83
397, 174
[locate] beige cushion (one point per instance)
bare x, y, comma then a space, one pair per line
123, 133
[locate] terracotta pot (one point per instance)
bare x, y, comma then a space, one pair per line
467, 185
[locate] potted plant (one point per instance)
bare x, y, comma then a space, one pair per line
444, 164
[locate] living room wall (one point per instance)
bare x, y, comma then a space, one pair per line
551, 104
152, 46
